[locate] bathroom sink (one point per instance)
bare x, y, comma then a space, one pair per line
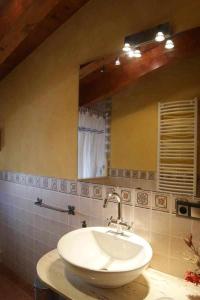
104, 258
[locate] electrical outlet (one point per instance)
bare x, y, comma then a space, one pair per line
182, 210
188, 209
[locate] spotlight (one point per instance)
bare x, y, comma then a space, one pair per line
169, 44
117, 62
130, 53
137, 53
126, 47
159, 36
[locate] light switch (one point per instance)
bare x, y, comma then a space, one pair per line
195, 212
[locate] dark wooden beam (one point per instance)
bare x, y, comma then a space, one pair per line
10, 12
98, 85
25, 24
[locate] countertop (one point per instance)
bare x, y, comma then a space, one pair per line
151, 285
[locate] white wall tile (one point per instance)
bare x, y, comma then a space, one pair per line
21, 222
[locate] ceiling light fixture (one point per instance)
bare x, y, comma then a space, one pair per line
134, 53
126, 47
137, 53
169, 44
130, 53
159, 36
117, 62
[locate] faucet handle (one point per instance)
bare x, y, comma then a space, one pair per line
110, 220
127, 225
130, 226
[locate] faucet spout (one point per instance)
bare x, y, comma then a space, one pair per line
119, 202
117, 222
115, 196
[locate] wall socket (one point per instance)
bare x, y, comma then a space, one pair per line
188, 209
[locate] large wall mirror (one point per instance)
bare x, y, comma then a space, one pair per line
119, 127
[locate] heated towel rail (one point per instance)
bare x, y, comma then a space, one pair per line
177, 146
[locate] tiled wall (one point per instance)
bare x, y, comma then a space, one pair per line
28, 231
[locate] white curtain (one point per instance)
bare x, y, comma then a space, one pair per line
91, 144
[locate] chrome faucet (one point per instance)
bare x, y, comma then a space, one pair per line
119, 221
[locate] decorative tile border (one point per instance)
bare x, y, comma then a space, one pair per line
108, 134
73, 187
63, 186
135, 174
97, 192
131, 196
84, 190
143, 199
161, 201
54, 184
127, 195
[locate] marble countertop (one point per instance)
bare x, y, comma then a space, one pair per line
151, 285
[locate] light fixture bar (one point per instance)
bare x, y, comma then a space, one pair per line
148, 36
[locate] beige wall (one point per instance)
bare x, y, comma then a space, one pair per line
39, 99
135, 113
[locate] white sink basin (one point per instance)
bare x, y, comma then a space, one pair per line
103, 258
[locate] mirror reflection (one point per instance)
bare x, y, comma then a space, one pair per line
92, 141
119, 134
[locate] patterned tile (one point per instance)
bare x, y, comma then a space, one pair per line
107, 131
143, 199
107, 138
54, 184
97, 192
45, 183
22, 179
73, 187
6, 176
107, 147
142, 175
114, 173
161, 202
37, 181
85, 190
30, 180
126, 195
135, 174
120, 173
63, 186
108, 162
17, 178
127, 173
151, 175
12, 177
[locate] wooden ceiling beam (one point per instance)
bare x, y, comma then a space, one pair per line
28, 21
10, 12
99, 85
25, 24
